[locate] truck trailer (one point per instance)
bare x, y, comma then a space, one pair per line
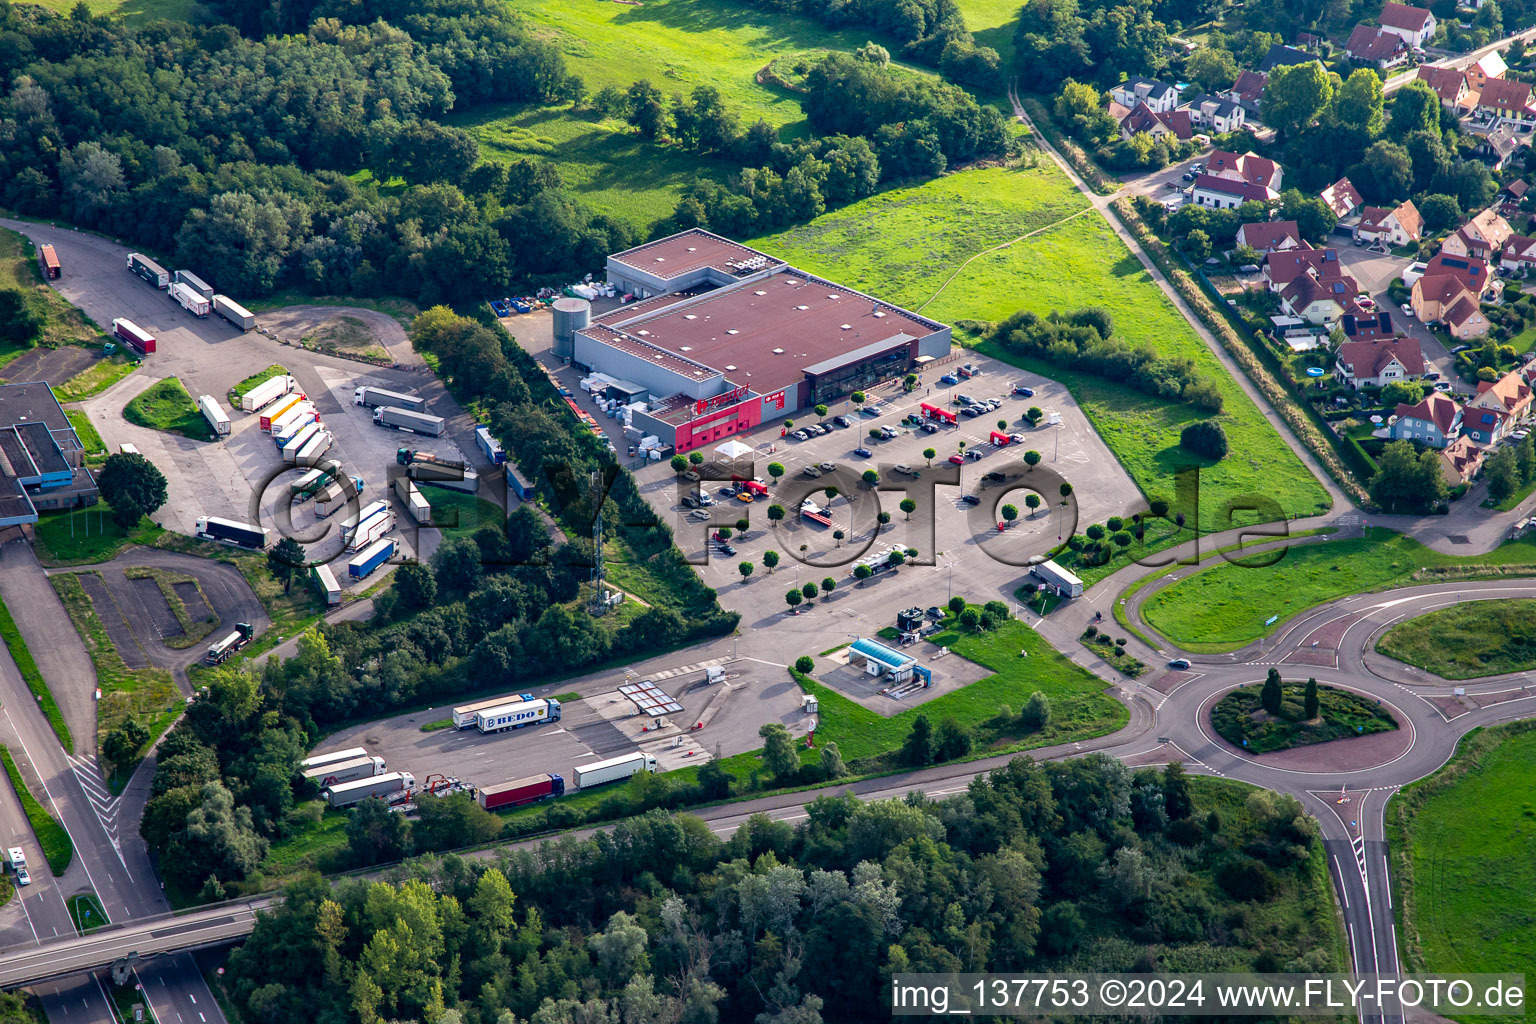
312, 481
464, 714
312, 452
369, 397
189, 299
523, 791
332, 757
134, 336
1066, 584
288, 425
149, 270
50, 262
492, 447
228, 531
417, 506
325, 582
612, 770
369, 531
224, 649
349, 524
268, 391
192, 281
235, 313
333, 497
350, 770
296, 443
275, 409
405, 419
389, 787
517, 715
375, 555
214, 414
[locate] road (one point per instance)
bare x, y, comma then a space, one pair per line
1466, 60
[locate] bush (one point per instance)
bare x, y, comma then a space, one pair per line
1037, 712
1204, 437
804, 664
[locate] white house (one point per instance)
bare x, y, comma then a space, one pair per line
1160, 96
1414, 24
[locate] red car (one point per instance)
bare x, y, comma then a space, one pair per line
957, 460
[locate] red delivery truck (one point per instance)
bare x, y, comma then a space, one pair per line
50, 260
134, 336
523, 791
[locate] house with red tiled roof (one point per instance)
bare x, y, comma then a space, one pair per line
1379, 361
1489, 65
1281, 268
1226, 194
1378, 47
1434, 422
1465, 319
1455, 92
1367, 326
1319, 301
1246, 167
1505, 99
1415, 25
1518, 253
1482, 236
1498, 408
1271, 236
1398, 225
1341, 197
1460, 460
1472, 272
1248, 90
1174, 124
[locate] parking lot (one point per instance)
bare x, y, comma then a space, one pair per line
600, 725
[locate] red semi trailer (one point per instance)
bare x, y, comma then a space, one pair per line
523, 791
134, 336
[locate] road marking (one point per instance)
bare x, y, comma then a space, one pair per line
1386, 873
1342, 890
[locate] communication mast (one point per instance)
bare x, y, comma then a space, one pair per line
599, 602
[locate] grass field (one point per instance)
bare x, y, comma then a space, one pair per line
1464, 859
95, 379
276, 369
148, 694
95, 447
17, 645
459, 514
85, 536
1241, 721
58, 848
85, 911
166, 406
131, 10
1466, 641
1225, 606
906, 243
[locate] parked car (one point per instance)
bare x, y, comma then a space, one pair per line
930, 427
889, 432
935, 612
800, 435
864, 453
691, 477
957, 460
949, 378
1017, 438
995, 477
902, 467
842, 421
1179, 663
1443, 387
1407, 310
974, 453
1024, 390
827, 467
972, 410
971, 499
726, 549
993, 405
1432, 375
22, 878
1189, 175
1248, 268
812, 471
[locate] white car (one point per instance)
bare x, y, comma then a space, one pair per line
22, 878
812, 471
902, 467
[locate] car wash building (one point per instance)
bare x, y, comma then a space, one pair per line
723, 338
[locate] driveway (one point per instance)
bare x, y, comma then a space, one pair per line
1374, 271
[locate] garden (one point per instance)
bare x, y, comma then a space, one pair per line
1276, 715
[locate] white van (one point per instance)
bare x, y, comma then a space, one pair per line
128, 449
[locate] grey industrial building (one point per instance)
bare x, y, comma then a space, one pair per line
720, 338
41, 458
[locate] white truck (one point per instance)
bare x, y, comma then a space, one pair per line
286, 426
1064, 582
389, 787
613, 769
218, 422
517, 714
269, 390
368, 511
325, 582
334, 496
369, 397
405, 419
235, 313
415, 503
464, 714
332, 757
318, 445
351, 770
296, 443
190, 299
372, 529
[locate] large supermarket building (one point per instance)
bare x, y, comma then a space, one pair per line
721, 338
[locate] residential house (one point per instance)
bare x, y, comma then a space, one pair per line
1486, 67
1285, 56
1281, 268
1469, 270
1511, 195
1377, 47
1213, 113
1455, 92
1162, 127
1480, 237
1367, 326
1506, 100
1160, 96
1460, 460
1497, 409
1434, 295
1498, 147
1434, 422
1518, 254
1341, 197
1379, 361
1225, 194
1465, 319
1397, 226
1414, 24
1117, 110
1248, 91
1247, 167
1271, 236
1308, 40
1321, 302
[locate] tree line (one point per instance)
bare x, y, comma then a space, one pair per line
1083, 865
1085, 340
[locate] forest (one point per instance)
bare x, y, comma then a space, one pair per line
1083, 865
